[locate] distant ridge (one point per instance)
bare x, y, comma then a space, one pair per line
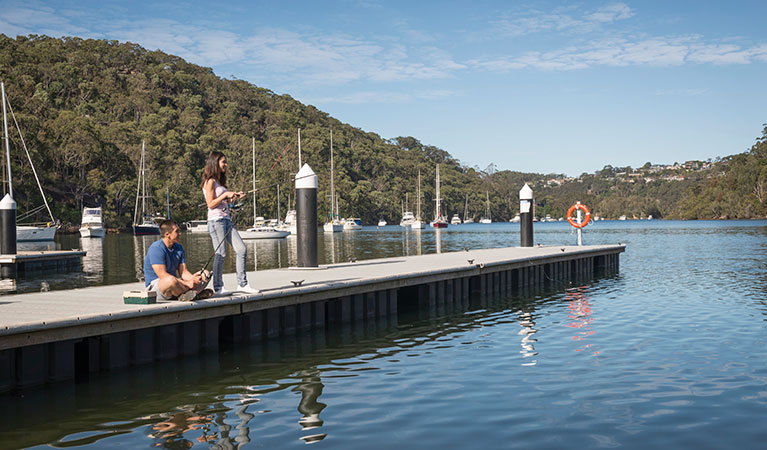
85, 105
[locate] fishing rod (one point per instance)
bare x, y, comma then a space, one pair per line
263, 188
235, 207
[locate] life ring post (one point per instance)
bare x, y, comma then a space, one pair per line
580, 221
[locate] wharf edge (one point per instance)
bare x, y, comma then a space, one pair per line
53, 336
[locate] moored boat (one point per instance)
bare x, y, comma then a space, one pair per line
91, 224
197, 226
352, 223
333, 224
440, 221
30, 232
263, 232
147, 225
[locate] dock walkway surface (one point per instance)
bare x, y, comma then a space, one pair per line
45, 324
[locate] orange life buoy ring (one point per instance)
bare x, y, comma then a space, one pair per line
572, 209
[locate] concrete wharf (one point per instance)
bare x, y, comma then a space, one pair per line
58, 335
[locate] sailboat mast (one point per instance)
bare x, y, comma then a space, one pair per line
299, 149
332, 181
254, 182
143, 183
419, 195
278, 204
437, 212
7, 144
138, 191
488, 204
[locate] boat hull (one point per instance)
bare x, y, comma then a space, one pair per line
92, 232
333, 227
146, 230
35, 234
264, 233
439, 224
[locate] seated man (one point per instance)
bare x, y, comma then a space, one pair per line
165, 269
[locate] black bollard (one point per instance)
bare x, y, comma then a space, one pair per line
306, 216
526, 216
8, 235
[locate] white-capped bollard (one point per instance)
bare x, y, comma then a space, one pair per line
8, 234
526, 216
306, 216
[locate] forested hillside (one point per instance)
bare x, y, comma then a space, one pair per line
85, 106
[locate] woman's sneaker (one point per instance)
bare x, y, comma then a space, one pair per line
248, 289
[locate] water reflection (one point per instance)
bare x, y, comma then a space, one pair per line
36, 246
169, 433
528, 342
411, 242
580, 317
140, 246
266, 253
310, 388
93, 261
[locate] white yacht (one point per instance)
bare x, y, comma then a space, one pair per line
352, 223
263, 232
407, 217
91, 224
515, 219
197, 226
418, 224
146, 226
456, 220
259, 230
381, 223
440, 221
466, 218
333, 225
487, 219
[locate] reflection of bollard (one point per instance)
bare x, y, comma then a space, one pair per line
526, 216
8, 235
306, 216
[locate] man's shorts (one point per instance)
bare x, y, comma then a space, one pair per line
153, 287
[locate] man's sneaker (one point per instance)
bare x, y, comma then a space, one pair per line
248, 289
221, 292
205, 293
187, 296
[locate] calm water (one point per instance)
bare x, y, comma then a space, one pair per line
671, 352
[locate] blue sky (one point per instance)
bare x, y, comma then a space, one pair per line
544, 86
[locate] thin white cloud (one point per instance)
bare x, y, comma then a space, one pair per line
562, 19
386, 97
686, 92
34, 18
674, 51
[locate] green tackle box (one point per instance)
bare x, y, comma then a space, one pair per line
139, 297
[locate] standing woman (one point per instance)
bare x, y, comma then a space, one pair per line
220, 225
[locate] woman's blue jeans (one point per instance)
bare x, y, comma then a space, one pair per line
220, 230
